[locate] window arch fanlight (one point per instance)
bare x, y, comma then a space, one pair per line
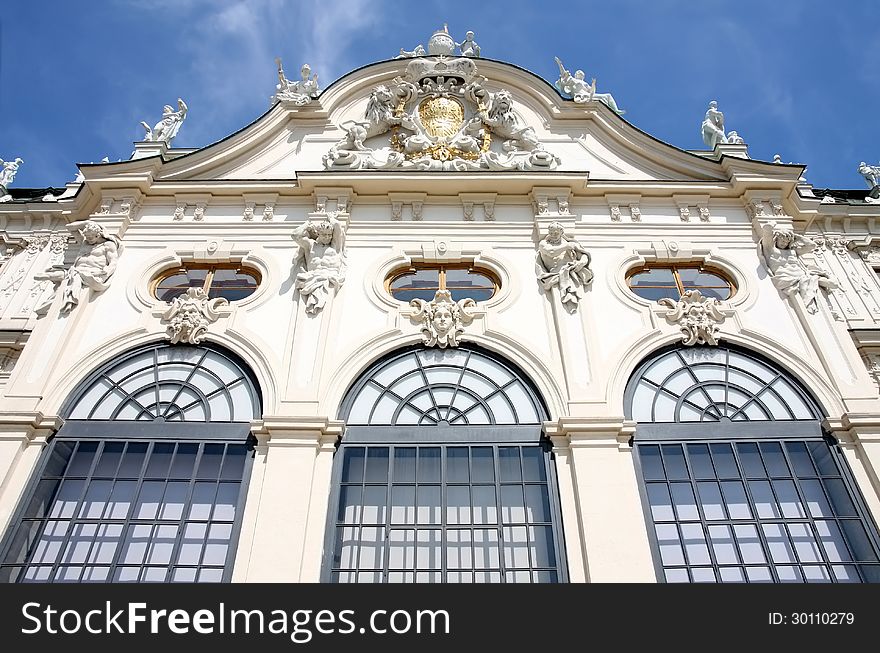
458, 387
146, 479
442, 475
738, 480
709, 384
172, 383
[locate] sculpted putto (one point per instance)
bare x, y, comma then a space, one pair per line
563, 262
166, 129
320, 260
783, 251
92, 268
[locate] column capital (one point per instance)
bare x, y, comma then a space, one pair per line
573, 432
310, 431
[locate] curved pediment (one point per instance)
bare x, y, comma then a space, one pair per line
440, 114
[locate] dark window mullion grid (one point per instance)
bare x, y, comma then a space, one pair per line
106, 521
187, 507
862, 511
74, 517
809, 520
389, 488
704, 523
781, 521
210, 521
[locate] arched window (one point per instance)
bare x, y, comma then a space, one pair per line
740, 483
145, 482
442, 475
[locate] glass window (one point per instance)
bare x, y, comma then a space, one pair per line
230, 281
743, 505
422, 282
430, 489
397, 526
662, 280
115, 511
159, 506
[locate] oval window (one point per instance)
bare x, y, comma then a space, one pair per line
463, 282
233, 282
658, 281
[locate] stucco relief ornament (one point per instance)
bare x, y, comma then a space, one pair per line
301, 91
93, 267
166, 129
783, 253
190, 315
563, 262
319, 257
440, 117
697, 316
443, 320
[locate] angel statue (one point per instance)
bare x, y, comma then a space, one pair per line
320, 258
167, 128
577, 87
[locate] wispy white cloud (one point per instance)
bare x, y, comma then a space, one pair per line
226, 70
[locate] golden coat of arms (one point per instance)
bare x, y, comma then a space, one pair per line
442, 117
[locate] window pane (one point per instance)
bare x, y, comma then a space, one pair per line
429, 465
428, 505
695, 277
701, 463
533, 464
800, 459
673, 459
404, 464
653, 277
683, 498
839, 496
655, 294
457, 465
725, 463
735, 500
482, 465
774, 460
652, 465
661, 502
750, 460
509, 464
233, 284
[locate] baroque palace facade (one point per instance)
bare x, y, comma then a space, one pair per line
439, 322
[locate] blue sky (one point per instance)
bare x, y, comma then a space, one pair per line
796, 77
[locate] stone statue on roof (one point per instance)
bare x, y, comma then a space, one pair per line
301, 91
577, 88
166, 129
8, 170
872, 176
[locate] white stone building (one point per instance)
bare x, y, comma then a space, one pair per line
415, 375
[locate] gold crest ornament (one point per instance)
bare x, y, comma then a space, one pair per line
441, 117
